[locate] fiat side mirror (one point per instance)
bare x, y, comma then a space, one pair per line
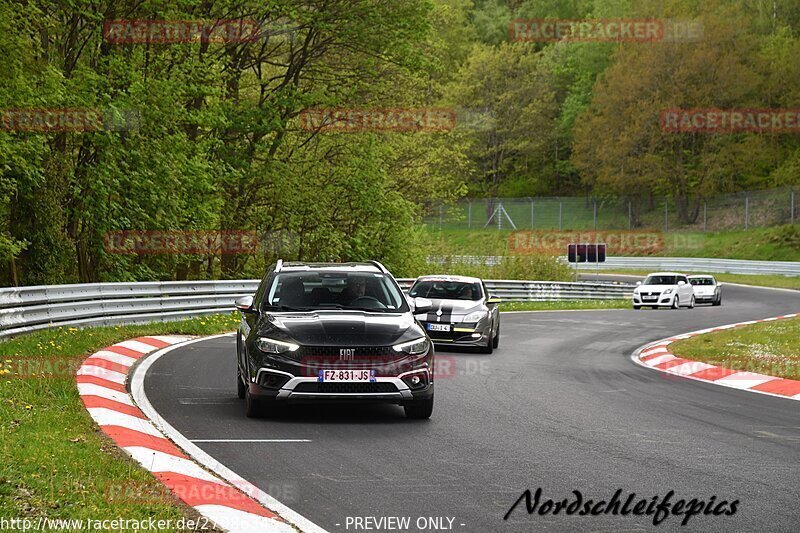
245, 304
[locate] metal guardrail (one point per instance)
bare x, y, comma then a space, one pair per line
696, 265
25, 309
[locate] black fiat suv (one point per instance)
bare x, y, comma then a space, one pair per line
333, 332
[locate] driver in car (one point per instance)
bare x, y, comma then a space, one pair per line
356, 288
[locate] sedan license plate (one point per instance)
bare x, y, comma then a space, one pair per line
438, 327
344, 375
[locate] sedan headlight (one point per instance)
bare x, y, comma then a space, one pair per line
668, 291
477, 316
268, 345
415, 347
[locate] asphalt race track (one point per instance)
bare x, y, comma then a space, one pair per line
560, 405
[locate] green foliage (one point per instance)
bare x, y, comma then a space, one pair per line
526, 267
217, 144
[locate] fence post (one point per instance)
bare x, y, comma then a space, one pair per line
666, 214
532, 226
595, 214
705, 216
469, 214
560, 225
746, 210
791, 203
440, 218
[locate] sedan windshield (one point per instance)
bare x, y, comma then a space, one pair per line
304, 291
446, 290
661, 280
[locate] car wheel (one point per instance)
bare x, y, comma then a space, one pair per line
420, 409
253, 407
241, 388
691, 303
496, 340
718, 301
676, 303
637, 307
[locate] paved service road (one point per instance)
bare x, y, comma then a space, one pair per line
560, 405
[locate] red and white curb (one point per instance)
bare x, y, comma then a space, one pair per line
101, 384
657, 355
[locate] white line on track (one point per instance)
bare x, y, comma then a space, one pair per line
194, 451
250, 440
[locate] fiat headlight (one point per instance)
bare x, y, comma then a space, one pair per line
415, 347
268, 345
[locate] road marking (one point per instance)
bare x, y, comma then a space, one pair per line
770, 435
206, 401
196, 453
250, 440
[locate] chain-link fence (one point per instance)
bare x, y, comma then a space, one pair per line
722, 212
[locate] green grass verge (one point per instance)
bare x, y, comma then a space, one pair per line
780, 243
565, 304
768, 348
54, 461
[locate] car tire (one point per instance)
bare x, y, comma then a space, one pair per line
420, 409
676, 303
254, 408
637, 307
691, 303
718, 301
496, 340
241, 388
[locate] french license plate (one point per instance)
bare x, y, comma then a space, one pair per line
346, 375
438, 327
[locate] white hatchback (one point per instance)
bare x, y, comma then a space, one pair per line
664, 289
706, 289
